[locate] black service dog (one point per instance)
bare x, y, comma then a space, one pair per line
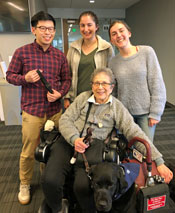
111, 193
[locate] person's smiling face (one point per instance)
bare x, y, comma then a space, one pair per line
88, 27
102, 87
119, 35
44, 32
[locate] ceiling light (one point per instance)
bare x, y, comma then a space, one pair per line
92, 1
15, 6
71, 21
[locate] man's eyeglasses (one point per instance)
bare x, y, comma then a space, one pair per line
43, 29
103, 84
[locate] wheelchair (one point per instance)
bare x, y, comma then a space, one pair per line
118, 150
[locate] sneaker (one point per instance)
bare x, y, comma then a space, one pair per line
24, 194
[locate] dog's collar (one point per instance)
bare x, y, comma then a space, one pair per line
130, 171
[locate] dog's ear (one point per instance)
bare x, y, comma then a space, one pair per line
121, 178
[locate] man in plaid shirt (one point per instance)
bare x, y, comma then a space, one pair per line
37, 104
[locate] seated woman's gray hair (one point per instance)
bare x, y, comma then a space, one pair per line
105, 70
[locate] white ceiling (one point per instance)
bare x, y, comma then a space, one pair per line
99, 4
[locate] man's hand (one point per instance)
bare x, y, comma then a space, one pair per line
80, 146
52, 97
165, 172
32, 76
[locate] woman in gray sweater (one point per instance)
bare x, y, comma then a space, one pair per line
140, 83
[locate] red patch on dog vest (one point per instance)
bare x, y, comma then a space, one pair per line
156, 202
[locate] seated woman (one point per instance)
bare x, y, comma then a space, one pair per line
106, 112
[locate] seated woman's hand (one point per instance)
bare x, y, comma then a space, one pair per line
165, 172
66, 103
80, 146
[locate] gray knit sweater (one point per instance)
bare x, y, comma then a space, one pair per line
140, 83
109, 115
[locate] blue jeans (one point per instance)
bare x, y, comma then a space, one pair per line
142, 121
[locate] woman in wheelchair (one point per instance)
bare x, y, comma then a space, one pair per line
104, 113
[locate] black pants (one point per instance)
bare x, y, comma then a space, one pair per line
57, 168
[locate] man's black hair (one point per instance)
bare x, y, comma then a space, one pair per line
41, 16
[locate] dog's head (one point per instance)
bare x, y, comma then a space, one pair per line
107, 180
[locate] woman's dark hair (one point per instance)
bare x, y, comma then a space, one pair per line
89, 13
42, 16
105, 70
118, 22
